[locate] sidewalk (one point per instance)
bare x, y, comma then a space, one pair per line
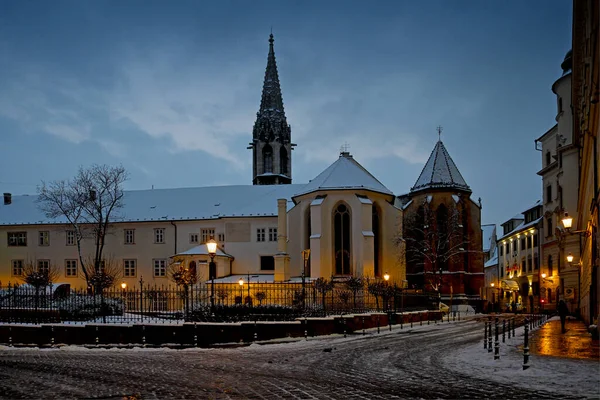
576, 342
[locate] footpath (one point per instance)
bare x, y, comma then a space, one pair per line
576, 342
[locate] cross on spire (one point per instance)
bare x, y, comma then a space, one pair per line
344, 148
439, 130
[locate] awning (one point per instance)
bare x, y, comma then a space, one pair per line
509, 284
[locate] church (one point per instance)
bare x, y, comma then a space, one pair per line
349, 221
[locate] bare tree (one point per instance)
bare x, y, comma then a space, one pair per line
434, 239
89, 203
38, 276
110, 272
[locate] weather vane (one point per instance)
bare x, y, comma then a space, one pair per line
439, 130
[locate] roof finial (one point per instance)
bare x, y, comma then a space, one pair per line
439, 130
344, 148
271, 40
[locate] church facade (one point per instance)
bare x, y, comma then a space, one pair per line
352, 224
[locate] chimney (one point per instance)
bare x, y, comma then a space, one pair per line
7, 198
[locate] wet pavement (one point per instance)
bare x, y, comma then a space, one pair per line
576, 342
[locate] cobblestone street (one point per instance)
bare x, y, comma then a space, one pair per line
404, 363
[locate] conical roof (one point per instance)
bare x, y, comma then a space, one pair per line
440, 172
345, 173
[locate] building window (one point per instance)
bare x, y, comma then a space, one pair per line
523, 242
502, 272
193, 238
535, 240
17, 239
523, 266
43, 266
221, 237
549, 227
129, 268
44, 238
260, 234
515, 246
267, 263
70, 267
70, 238
160, 268
17, 267
549, 194
501, 249
272, 234
535, 262
159, 235
342, 229
206, 234
129, 236
548, 158
549, 295
550, 266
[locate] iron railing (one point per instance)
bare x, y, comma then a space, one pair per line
201, 302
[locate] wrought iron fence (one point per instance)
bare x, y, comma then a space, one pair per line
202, 302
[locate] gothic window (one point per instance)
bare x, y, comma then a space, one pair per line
376, 240
442, 233
267, 159
283, 161
342, 229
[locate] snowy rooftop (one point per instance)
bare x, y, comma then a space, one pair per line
209, 202
521, 227
493, 261
344, 173
488, 236
440, 172
202, 250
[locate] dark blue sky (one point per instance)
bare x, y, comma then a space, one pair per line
171, 89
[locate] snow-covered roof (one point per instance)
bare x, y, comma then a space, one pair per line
440, 172
197, 203
493, 261
344, 173
521, 227
488, 236
202, 250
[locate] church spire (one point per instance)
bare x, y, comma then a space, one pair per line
271, 136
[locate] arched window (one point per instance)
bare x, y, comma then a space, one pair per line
267, 159
376, 240
307, 238
342, 230
283, 161
550, 267
442, 237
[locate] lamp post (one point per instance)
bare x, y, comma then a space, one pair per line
305, 257
567, 222
123, 287
211, 247
241, 283
386, 278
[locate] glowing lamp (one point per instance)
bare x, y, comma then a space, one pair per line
567, 221
570, 257
241, 282
211, 246
543, 275
386, 276
123, 285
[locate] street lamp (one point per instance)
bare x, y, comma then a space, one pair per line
386, 276
241, 283
211, 247
123, 285
570, 258
305, 258
567, 221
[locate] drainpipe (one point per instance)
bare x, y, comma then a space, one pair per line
175, 250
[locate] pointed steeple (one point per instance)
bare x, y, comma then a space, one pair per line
271, 136
440, 172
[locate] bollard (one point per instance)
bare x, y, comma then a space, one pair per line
9, 336
52, 336
503, 331
428, 319
306, 328
454, 316
401, 321
509, 328
363, 325
344, 323
195, 336
448, 316
411, 321
459, 315
526, 346
496, 343
143, 335
485, 334
256, 332
420, 320
390, 320
513, 327
97, 338
490, 335
377, 323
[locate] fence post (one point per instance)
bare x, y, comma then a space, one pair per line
513, 320
363, 325
377, 323
503, 331
390, 320
420, 320
496, 343
526, 346
305, 328
489, 334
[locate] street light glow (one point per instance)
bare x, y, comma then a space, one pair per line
567, 221
211, 246
544, 276
241, 281
386, 276
123, 285
570, 257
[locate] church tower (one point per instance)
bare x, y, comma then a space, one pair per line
271, 137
